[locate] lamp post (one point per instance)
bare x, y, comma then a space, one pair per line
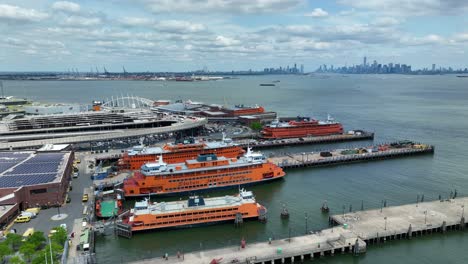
385, 218
425, 217
463, 210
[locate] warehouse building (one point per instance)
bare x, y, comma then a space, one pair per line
33, 179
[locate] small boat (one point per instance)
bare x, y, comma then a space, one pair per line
325, 208
267, 84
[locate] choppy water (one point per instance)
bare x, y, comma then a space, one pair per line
431, 109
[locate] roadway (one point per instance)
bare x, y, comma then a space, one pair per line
116, 134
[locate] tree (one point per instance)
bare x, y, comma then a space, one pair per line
257, 126
28, 249
13, 240
16, 260
37, 239
4, 250
60, 236
41, 257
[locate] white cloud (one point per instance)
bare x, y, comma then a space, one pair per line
317, 12
411, 8
80, 21
16, 13
179, 26
461, 37
136, 21
385, 22
66, 6
221, 6
431, 39
226, 41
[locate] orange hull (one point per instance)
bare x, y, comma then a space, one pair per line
249, 111
217, 177
302, 131
194, 217
177, 155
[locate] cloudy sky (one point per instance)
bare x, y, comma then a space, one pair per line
181, 35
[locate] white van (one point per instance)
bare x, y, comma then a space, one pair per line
30, 214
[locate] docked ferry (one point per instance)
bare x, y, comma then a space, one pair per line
207, 171
301, 127
178, 152
194, 211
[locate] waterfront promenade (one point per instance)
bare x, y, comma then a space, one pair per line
353, 233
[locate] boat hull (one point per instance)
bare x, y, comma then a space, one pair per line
217, 188
301, 131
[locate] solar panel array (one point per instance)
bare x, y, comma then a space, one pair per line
41, 168
10, 159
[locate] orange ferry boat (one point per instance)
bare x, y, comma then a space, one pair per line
194, 211
178, 153
208, 171
302, 127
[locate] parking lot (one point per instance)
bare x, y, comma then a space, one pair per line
74, 209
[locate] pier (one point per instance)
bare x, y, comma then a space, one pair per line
314, 159
306, 140
354, 233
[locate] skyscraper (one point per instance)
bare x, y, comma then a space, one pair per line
302, 68
433, 67
364, 62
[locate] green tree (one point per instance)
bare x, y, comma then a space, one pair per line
60, 236
4, 250
28, 249
13, 240
16, 260
257, 126
37, 239
41, 257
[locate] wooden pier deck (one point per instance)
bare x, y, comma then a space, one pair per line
355, 232
313, 159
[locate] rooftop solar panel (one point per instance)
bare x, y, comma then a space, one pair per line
39, 169
22, 180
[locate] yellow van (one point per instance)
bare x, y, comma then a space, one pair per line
23, 219
85, 198
28, 233
34, 210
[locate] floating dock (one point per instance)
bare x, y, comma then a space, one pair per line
306, 140
355, 232
315, 159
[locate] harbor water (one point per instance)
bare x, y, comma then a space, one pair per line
429, 109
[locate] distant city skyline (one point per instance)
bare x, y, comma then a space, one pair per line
389, 68
221, 35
